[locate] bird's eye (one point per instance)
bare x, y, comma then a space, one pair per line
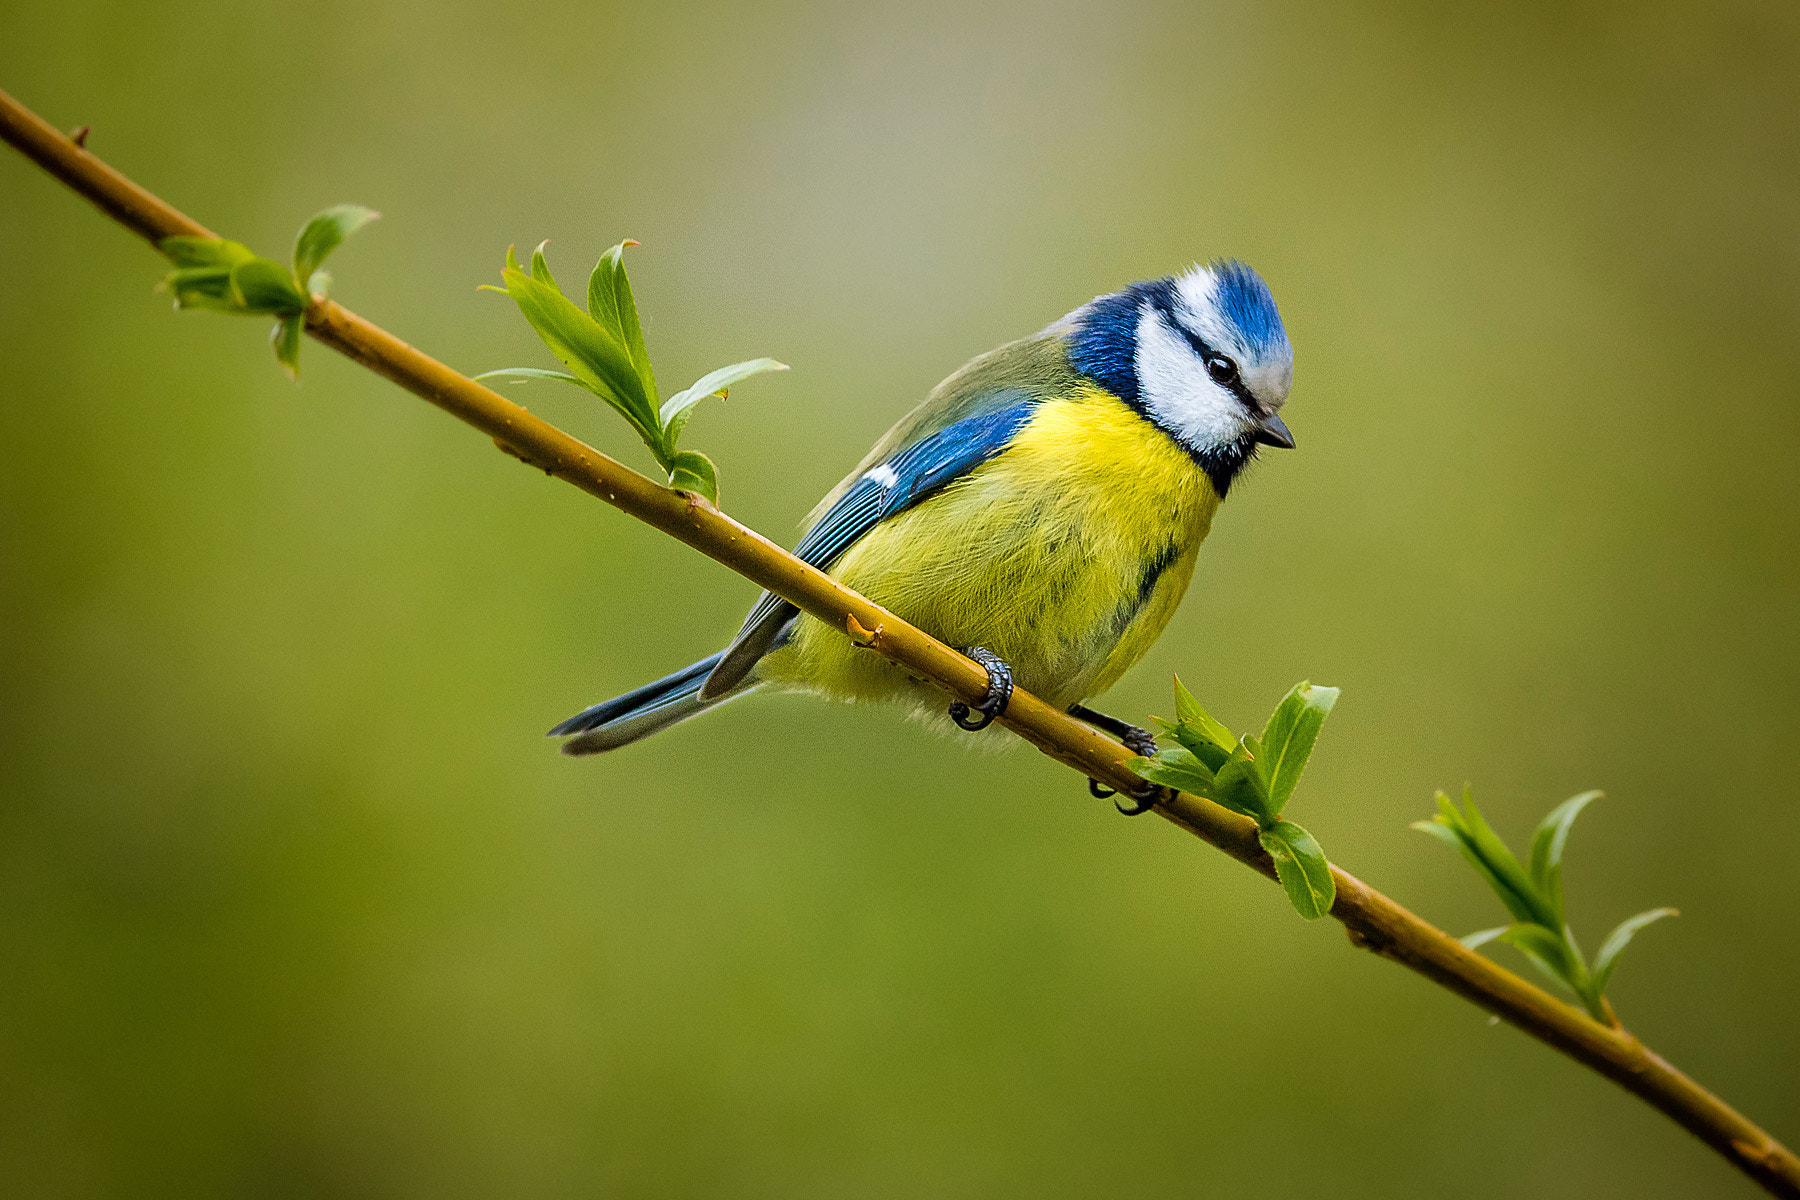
1222, 369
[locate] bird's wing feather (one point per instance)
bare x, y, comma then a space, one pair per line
886, 488
1031, 369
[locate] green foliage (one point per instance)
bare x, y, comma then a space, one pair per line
1255, 777
1302, 867
605, 353
323, 234
226, 276
1534, 896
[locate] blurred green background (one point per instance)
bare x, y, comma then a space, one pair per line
296, 900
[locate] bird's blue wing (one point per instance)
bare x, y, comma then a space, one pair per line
890, 487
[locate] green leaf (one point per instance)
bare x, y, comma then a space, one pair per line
325, 233
202, 287
1508, 878
611, 303
1548, 952
527, 374
1547, 849
714, 383
593, 354
1482, 937
202, 275
261, 286
1447, 810
691, 471
285, 338
186, 251
1187, 709
1195, 742
1617, 940
540, 268
1240, 786
1450, 827
1302, 868
319, 283
1210, 741
1178, 768
1444, 833
1289, 737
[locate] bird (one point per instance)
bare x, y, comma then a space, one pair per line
1041, 511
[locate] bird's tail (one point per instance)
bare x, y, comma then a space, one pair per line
642, 711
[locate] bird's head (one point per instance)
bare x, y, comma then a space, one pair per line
1202, 355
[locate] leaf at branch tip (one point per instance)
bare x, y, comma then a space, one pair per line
1301, 866
319, 283
589, 351
1177, 768
1447, 810
1187, 709
1548, 952
1618, 939
201, 287
1451, 828
1288, 739
1194, 728
691, 471
202, 274
540, 267
325, 233
186, 251
512, 258
285, 338
1241, 787
1481, 937
1444, 833
1505, 875
713, 383
527, 374
611, 303
1547, 848
260, 286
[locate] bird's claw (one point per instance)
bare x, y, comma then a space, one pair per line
1140, 742
999, 692
1145, 797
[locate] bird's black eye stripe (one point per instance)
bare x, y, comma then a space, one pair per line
1220, 367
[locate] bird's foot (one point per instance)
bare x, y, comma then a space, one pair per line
1139, 741
999, 692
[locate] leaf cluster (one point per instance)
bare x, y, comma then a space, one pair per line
1256, 777
226, 276
603, 349
1534, 896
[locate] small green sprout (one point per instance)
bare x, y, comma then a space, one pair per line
604, 351
1540, 931
1256, 778
226, 276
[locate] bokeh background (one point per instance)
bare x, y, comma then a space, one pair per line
296, 900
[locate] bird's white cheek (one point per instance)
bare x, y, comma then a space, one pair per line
1179, 394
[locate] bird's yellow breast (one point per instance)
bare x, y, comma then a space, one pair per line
1066, 555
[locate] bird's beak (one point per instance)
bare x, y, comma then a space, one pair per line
1272, 431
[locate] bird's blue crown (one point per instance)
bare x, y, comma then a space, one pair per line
1104, 343
1223, 308
1245, 302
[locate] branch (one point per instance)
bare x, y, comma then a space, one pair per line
1373, 921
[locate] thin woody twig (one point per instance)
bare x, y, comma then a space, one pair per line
1373, 921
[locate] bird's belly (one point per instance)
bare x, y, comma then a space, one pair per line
1066, 555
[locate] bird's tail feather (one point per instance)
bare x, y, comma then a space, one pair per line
640, 712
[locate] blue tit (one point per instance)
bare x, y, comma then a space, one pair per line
1041, 510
